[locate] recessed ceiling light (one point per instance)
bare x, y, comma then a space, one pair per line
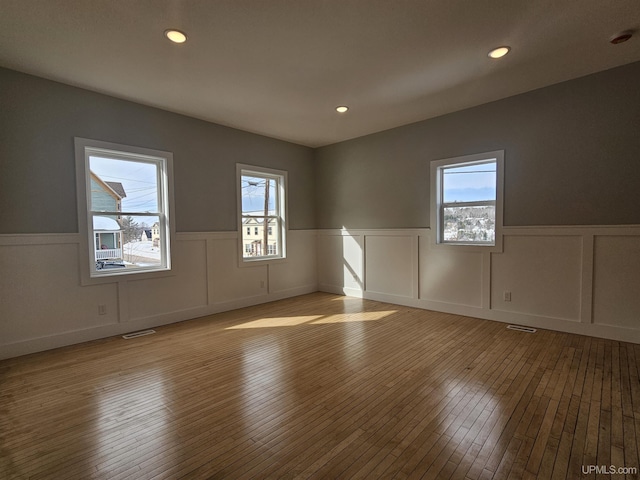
176, 36
621, 37
342, 109
499, 52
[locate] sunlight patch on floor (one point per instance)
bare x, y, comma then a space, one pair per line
354, 317
273, 322
276, 322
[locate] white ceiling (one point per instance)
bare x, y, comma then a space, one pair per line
280, 67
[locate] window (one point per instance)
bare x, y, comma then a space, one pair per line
123, 205
261, 203
467, 199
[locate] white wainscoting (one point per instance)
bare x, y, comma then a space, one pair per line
43, 304
389, 263
341, 262
449, 276
543, 273
616, 292
576, 279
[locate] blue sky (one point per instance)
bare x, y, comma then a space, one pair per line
138, 179
470, 183
253, 189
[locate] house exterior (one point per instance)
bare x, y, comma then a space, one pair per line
106, 196
155, 234
107, 229
253, 237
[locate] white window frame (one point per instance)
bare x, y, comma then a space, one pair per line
281, 215
84, 148
438, 205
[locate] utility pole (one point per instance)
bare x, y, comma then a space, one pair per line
265, 227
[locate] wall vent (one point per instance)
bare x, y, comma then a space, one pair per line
138, 334
521, 329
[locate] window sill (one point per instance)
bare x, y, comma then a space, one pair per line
119, 276
469, 247
254, 262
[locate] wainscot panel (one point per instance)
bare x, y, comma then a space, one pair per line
340, 262
542, 275
389, 264
300, 269
450, 276
228, 281
40, 294
576, 279
185, 289
616, 299
44, 306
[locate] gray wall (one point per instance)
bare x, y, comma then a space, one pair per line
39, 120
572, 157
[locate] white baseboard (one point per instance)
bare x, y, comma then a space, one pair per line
85, 335
349, 292
563, 325
577, 280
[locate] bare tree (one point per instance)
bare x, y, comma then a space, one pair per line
130, 228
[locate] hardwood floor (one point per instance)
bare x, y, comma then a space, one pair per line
322, 386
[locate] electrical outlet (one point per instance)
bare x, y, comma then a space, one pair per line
102, 309
506, 296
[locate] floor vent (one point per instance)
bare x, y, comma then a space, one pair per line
138, 334
521, 329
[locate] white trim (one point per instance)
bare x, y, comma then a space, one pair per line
354, 232
123, 317
586, 284
583, 323
436, 200
164, 160
116, 329
281, 177
572, 230
349, 292
122, 323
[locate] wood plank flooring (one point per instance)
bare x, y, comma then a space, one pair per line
322, 386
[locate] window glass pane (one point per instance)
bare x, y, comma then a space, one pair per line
258, 193
127, 195
127, 242
254, 245
262, 213
123, 185
469, 224
273, 237
469, 183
